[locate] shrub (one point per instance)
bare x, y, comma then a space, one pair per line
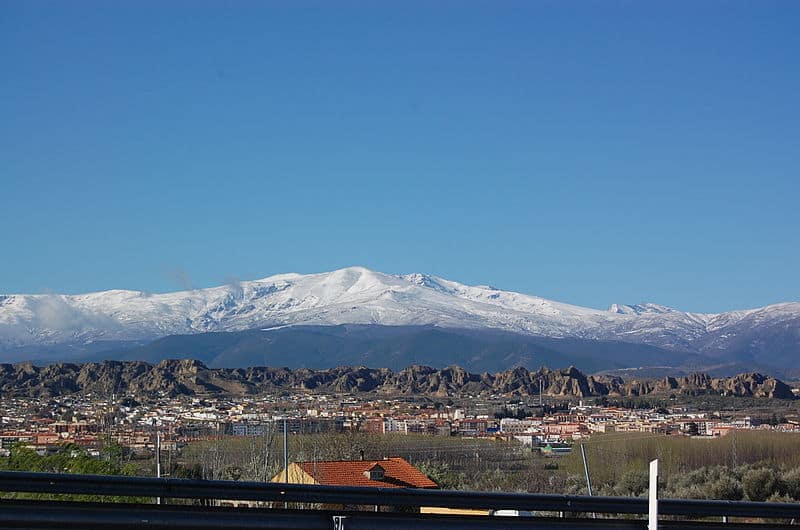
759, 484
791, 483
726, 489
633, 482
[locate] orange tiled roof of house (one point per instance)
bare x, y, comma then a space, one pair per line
393, 472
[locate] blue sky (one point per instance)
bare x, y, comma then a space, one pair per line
589, 152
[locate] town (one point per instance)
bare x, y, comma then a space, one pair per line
551, 426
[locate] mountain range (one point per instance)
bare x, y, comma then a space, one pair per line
358, 316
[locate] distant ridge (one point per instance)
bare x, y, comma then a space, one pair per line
60, 327
190, 377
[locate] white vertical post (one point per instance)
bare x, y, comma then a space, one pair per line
653, 497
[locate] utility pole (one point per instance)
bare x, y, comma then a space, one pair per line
285, 456
169, 452
541, 391
158, 455
285, 450
586, 470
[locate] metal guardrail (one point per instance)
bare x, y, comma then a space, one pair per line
57, 515
270, 492
302, 493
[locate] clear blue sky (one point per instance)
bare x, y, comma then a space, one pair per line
589, 152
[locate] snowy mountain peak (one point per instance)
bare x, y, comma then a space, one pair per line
426, 280
357, 295
639, 309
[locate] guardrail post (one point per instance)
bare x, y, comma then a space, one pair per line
652, 523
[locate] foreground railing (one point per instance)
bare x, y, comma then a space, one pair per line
15, 513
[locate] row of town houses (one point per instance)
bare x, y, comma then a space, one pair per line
180, 423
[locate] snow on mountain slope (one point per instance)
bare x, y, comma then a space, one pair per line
353, 295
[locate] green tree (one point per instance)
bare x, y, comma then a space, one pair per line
69, 458
759, 484
791, 483
726, 489
440, 473
633, 482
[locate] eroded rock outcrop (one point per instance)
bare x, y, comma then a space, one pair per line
191, 377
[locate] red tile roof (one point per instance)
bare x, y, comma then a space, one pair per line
398, 473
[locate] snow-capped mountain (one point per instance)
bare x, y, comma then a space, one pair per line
357, 295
